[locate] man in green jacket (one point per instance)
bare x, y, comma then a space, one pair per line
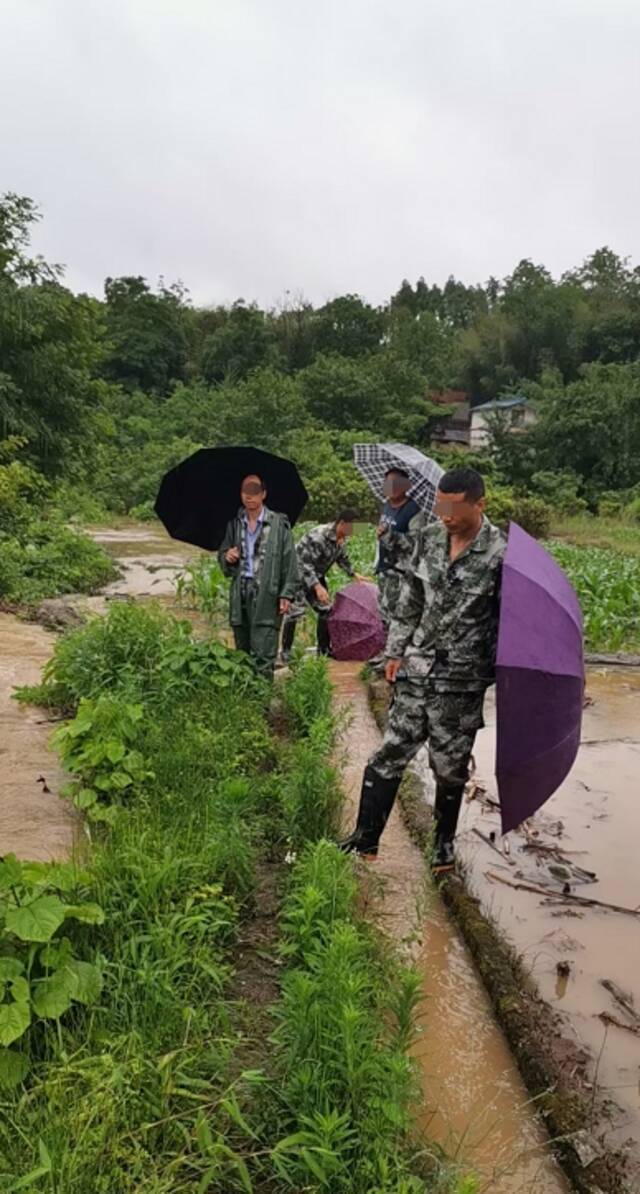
258, 553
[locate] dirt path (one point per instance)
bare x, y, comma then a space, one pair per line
475, 1103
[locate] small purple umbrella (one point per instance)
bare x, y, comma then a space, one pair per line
540, 679
355, 625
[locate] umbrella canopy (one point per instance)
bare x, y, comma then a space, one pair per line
355, 625
373, 461
200, 495
540, 679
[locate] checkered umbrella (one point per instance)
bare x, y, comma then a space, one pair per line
373, 461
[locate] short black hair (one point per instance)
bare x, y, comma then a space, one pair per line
463, 480
398, 472
257, 477
347, 515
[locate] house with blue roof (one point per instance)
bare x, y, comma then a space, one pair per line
516, 413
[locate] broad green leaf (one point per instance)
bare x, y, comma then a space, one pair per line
20, 989
10, 871
87, 980
15, 1018
10, 968
107, 813
85, 798
13, 1068
52, 996
36, 921
115, 751
89, 914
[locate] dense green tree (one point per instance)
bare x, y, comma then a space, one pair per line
348, 327
243, 342
50, 345
147, 334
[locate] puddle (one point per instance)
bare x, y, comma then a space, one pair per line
475, 1103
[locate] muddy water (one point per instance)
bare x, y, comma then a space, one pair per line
149, 560
594, 821
34, 821
475, 1103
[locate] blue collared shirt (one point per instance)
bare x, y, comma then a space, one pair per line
250, 539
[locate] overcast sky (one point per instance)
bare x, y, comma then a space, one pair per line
250, 147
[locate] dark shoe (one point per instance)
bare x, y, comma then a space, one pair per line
377, 797
443, 857
446, 811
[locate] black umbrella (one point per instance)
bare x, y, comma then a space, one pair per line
200, 495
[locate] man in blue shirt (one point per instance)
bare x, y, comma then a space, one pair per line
258, 554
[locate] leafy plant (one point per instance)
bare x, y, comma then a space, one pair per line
203, 586
40, 974
98, 746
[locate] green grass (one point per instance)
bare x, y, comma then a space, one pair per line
145, 1089
609, 533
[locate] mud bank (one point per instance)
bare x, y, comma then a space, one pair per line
528, 949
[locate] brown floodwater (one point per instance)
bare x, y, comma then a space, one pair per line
34, 822
474, 1101
593, 822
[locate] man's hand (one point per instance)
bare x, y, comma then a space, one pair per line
380, 529
362, 579
391, 670
233, 555
285, 605
321, 594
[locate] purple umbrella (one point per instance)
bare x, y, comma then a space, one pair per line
355, 624
540, 679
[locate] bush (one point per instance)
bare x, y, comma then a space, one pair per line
531, 513
143, 652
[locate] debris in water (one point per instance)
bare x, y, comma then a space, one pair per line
564, 969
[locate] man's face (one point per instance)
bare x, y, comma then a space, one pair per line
344, 530
395, 485
252, 494
458, 513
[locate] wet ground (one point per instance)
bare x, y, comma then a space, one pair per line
34, 821
475, 1103
592, 824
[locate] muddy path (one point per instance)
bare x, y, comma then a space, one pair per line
591, 825
475, 1103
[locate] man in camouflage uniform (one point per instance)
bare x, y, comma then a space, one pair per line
400, 517
441, 659
258, 553
316, 553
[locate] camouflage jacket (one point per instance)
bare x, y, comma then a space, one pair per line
446, 625
317, 552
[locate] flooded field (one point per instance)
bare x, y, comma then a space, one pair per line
591, 827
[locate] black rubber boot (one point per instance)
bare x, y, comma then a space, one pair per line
446, 811
377, 797
288, 635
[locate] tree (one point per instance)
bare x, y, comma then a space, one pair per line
50, 345
147, 334
245, 341
348, 327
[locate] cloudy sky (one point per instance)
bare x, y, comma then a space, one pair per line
250, 147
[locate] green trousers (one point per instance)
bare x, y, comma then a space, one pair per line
258, 641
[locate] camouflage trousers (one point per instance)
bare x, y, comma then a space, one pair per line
447, 721
388, 593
